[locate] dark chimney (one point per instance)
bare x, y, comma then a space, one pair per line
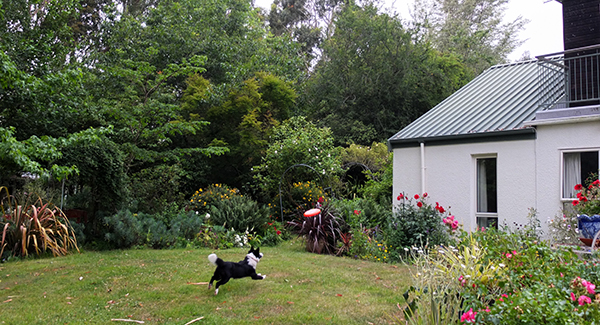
581, 23
581, 30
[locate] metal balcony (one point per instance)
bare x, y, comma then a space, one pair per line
569, 79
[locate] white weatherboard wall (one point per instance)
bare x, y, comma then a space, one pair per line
553, 138
450, 177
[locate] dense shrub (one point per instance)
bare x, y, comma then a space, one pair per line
362, 212
228, 208
203, 199
240, 213
297, 141
125, 229
416, 224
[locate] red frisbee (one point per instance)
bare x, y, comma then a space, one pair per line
312, 212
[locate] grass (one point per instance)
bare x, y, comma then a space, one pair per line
156, 286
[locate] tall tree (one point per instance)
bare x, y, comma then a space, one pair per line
474, 30
309, 22
373, 79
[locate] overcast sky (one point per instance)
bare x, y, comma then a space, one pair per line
543, 33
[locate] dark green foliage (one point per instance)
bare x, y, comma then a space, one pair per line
101, 170
123, 229
297, 142
157, 187
363, 212
374, 78
414, 226
240, 213
126, 229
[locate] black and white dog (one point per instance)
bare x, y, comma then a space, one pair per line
228, 270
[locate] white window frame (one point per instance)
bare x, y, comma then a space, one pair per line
562, 168
482, 217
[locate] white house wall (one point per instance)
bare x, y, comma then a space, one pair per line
552, 140
450, 177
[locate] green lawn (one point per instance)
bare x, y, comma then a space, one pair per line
157, 287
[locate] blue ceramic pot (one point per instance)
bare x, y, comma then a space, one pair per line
588, 225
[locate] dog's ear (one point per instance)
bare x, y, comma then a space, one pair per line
257, 251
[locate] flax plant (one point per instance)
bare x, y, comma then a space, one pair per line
34, 228
441, 276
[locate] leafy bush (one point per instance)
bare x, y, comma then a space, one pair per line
416, 225
300, 197
126, 229
362, 212
297, 141
203, 199
34, 229
240, 213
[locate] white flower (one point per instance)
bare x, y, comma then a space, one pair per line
463, 266
405, 249
501, 265
207, 216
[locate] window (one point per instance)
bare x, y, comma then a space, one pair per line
487, 197
578, 168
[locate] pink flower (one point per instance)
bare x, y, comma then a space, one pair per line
469, 316
416, 196
591, 288
508, 255
583, 300
573, 298
454, 224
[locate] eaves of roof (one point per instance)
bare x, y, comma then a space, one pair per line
492, 107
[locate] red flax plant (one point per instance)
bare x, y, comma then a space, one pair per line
34, 228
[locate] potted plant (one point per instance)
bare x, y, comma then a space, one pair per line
587, 206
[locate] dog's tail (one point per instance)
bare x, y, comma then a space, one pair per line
214, 259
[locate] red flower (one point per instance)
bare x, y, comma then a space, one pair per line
357, 212
578, 187
270, 223
321, 199
596, 182
419, 204
278, 232
416, 196
575, 202
425, 194
400, 197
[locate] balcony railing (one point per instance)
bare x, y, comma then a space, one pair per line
570, 78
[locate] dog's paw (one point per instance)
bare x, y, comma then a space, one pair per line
216, 291
209, 286
263, 276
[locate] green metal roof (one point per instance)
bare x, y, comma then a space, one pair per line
494, 104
